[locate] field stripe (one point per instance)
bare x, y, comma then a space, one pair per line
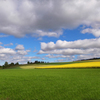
76, 65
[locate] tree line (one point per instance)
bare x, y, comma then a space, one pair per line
7, 65
36, 62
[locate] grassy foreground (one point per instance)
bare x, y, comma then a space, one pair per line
50, 84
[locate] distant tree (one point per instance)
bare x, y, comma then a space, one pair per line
0, 67
31, 62
39, 62
28, 62
17, 63
42, 61
36, 62
12, 64
6, 63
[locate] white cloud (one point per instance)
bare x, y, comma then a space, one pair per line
19, 47
94, 31
58, 56
23, 59
60, 49
2, 55
78, 44
3, 35
69, 51
16, 55
88, 56
22, 52
7, 51
8, 44
40, 33
35, 50
43, 58
60, 60
36, 17
40, 38
0, 43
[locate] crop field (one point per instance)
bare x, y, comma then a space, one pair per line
32, 66
75, 65
50, 84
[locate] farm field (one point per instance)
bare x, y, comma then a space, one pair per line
50, 84
75, 64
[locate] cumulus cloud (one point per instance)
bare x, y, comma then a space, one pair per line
2, 55
3, 35
16, 55
0, 43
58, 56
7, 51
78, 44
23, 59
36, 17
8, 44
60, 60
19, 47
22, 52
71, 48
69, 51
35, 50
88, 56
40, 33
94, 31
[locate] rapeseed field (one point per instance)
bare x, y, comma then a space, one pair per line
75, 65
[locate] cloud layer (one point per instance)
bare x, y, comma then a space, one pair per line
87, 48
36, 17
78, 44
18, 54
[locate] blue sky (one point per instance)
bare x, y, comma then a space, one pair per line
56, 32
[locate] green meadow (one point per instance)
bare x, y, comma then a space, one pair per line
50, 84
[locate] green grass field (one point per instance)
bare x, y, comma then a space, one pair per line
50, 84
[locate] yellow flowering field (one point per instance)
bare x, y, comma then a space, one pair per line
75, 65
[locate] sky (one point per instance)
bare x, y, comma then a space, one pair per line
49, 30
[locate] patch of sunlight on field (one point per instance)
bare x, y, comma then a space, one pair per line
33, 66
27, 67
75, 65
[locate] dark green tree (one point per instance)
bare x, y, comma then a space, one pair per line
17, 63
0, 67
12, 64
28, 62
6, 63
36, 62
42, 61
